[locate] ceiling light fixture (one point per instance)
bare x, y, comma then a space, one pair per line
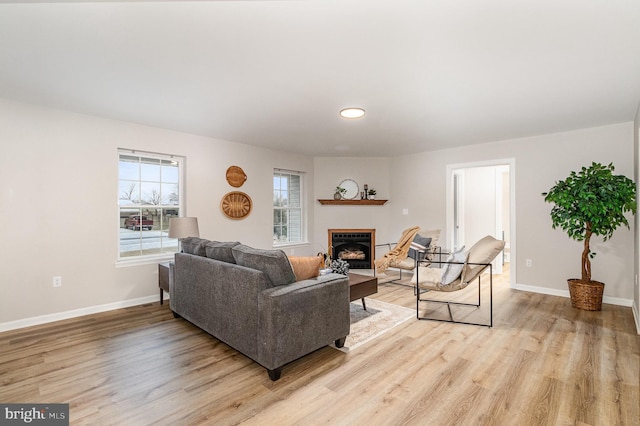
352, 113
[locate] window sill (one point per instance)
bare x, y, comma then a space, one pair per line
291, 245
124, 263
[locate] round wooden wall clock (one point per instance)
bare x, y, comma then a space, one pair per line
236, 176
236, 205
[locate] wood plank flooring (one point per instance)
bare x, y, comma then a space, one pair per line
543, 363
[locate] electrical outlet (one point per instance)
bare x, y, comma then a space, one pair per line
529, 263
57, 281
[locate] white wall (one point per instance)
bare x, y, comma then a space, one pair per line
58, 195
539, 162
329, 172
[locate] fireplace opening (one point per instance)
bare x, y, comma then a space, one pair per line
355, 246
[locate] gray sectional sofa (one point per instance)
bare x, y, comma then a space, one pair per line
249, 299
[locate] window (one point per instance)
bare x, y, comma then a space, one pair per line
288, 223
149, 194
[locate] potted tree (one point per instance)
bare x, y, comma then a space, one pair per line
590, 202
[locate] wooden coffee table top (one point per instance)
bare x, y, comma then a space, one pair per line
361, 286
355, 279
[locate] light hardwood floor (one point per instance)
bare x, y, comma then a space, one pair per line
543, 363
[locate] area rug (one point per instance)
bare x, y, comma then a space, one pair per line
379, 318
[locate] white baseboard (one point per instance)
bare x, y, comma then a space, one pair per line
565, 293
634, 309
43, 319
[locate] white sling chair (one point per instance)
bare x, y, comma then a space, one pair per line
459, 270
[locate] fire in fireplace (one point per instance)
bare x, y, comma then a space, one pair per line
355, 246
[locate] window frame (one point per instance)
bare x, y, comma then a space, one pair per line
141, 259
302, 208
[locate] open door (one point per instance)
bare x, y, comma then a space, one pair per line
481, 203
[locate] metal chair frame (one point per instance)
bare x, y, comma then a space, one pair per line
449, 303
395, 281
416, 262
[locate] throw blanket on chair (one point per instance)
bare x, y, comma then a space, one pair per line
399, 252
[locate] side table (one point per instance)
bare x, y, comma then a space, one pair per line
163, 279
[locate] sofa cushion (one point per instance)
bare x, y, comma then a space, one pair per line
221, 250
305, 268
194, 245
273, 263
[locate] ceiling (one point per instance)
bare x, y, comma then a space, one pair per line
430, 74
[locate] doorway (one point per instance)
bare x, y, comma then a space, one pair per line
481, 201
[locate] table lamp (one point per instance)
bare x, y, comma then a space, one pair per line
183, 227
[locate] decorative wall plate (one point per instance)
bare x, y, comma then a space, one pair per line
236, 176
236, 205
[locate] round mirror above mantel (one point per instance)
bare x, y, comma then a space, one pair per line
352, 190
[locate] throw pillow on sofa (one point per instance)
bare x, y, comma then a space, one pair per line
221, 250
194, 245
273, 263
305, 268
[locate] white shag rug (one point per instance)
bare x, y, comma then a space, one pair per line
379, 318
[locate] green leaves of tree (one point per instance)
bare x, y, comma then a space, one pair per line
593, 195
591, 201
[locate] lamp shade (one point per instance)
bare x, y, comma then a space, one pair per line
183, 227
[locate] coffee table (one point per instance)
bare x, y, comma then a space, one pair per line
361, 286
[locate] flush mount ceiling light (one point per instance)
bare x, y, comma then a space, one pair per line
352, 113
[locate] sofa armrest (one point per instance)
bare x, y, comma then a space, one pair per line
299, 318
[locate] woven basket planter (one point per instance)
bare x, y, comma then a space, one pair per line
586, 295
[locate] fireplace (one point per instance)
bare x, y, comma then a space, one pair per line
355, 246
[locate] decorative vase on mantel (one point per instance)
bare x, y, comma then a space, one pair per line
339, 194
